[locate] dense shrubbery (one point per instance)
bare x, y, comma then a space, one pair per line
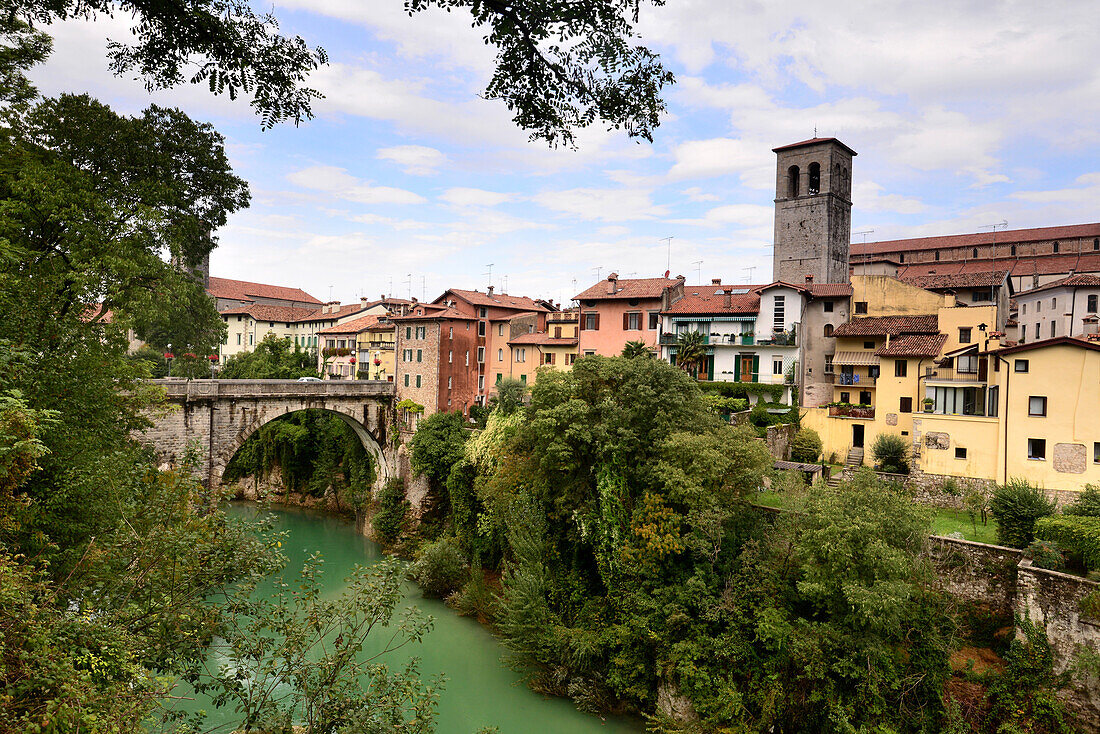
440, 567
389, 519
1087, 504
891, 453
272, 359
806, 446
1075, 534
1046, 554
1016, 505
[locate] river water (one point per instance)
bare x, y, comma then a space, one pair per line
480, 690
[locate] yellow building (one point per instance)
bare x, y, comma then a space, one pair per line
362, 348
554, 349
375, 346
1030, 410
880, 371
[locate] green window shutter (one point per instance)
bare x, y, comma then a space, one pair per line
523, 379
499, 376
755, 367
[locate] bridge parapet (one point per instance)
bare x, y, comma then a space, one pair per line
187, 390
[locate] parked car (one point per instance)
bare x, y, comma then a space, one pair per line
309, 379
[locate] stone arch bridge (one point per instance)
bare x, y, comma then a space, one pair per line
220, 415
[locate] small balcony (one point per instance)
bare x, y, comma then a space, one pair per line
671, 340
779, 339
852, 411
853, 380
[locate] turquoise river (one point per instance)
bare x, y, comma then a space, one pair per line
480, 690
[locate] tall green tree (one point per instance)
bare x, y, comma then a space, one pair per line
690, 351
636, 348
274, 358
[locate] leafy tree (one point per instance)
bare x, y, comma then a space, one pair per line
1087, 503
1024, 695
690, 351
636, 348
806, 446
510, 395
389, 520
438, 445
563, 65
273, 358
891, 453
1016, 505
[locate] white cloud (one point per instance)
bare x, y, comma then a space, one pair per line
695, 193
338, 182
614, 230
467, 197
609, 205
697, 159
417, 160
868, 196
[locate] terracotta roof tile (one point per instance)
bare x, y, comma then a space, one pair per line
830, 290
813, 141
711, 299
951, 281
243, 290
354, 326
913, 345
1056, 341
1080, 280
433, 311
500, 300
1042, 265
892, 325
260, 312
626, 288
978, 238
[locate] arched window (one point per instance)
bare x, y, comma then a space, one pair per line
1056, 247
901, 258
975, 252
1096, 243
1014, 251
793, 183
937, 255
815, 179
828, 329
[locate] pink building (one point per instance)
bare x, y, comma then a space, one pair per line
614, 312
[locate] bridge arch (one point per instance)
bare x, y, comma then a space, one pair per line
383, 472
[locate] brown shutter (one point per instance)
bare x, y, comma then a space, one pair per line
584, 321
626, 321
597, 328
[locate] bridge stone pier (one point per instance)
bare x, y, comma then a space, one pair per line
220, 415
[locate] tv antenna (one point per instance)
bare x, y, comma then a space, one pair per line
864, 233
330, 294
750, 269
422, 288
698, 270
409, 282
598, 268
668, 242
490, 273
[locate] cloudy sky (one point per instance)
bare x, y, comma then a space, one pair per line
963, 114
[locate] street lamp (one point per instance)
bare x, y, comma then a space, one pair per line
168, 358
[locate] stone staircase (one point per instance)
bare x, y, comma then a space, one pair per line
855, 458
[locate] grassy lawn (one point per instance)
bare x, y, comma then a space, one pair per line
944, 522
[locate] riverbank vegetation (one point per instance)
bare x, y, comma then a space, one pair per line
616, 510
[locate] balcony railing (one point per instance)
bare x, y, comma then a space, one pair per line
850, 379
674, 339
851, 411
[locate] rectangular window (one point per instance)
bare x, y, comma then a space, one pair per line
450, 332
901, 368
500, 376
861, 307
779, 320
481, 328
992, 402
827, 306
500, 355
964, 335
523, 379
570, 359
960, 452
521, 355
1091, 307
1096, 452
868, 345
450, 381
1020, 365
450, 356
828, 364
419, 355
1037, 449
408, 332
271, 324
632, 321
1053, 303
480, 383
483, 312
422, 332
1023, 309
467, 357
406, 380
845, 397
655, 317
777, 365
238, 340
481, 355
251, 339
1053, 329
1037, 405
591, 322
967, 364
418, 380
905, 405
500, 329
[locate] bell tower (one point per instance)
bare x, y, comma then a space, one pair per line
813, 211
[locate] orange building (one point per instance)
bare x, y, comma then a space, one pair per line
614, 312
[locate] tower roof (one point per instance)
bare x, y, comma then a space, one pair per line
814, 141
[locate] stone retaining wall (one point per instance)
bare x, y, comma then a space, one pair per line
928, 489
977, 572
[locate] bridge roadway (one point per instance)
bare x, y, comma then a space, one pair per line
218, 416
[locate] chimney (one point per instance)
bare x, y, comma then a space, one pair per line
331, 307
490, 290
809, 279
611, 281
716, 281
364, 302
727, 301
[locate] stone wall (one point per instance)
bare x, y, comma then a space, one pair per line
1052, 599
928, 489
976, 572
778, 440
